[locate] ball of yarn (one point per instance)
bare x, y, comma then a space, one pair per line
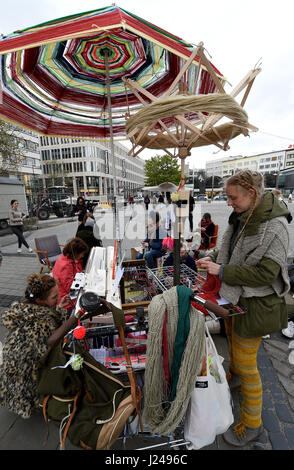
79, 332
77, 362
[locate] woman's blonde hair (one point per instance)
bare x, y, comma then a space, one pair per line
248, 180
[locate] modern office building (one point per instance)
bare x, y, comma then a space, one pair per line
265, 163
271, 162
85, 166
29, 170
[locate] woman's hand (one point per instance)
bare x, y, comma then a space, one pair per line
211, 268
203, 261
65, 301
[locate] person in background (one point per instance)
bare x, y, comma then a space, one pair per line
279, 195
146, 201
252, 267
68, 265
185, 258
33, 326
86, 233
206, 230
161, 199
80, 208
16, 219
191, 208
153, 241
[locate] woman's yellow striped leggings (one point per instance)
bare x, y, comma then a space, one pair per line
243, 362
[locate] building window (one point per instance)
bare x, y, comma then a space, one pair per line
78, 152
55, 154
45, 155
66, 153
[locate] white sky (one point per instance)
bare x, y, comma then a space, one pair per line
236, 33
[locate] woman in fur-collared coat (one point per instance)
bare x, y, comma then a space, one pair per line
33, 326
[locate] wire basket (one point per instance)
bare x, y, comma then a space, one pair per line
188, 277
140, 284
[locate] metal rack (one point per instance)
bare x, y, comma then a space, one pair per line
140, 284
165, 277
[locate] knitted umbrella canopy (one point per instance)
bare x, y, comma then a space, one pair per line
54, 75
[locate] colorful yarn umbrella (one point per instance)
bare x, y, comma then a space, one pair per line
57, 77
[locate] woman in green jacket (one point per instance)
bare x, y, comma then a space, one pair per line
252, 265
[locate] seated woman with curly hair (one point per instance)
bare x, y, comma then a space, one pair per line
68, 265
33, 326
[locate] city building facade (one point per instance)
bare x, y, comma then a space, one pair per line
85, 167
266, 163
29, 170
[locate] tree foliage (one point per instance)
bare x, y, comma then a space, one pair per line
11, 148
160, 169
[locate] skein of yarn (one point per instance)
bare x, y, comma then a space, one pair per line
161, 415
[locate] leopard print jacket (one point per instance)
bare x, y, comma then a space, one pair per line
28, 328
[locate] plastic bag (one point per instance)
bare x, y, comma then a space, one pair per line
210, 409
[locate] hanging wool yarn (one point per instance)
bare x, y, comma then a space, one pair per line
176, 340
209, 291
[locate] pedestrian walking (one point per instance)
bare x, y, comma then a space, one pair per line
191, 208
146, 201
252, 266
33, 326
16, 219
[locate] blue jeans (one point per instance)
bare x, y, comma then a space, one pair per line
150, 257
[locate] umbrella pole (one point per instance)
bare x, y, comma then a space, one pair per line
116, 223
177, 240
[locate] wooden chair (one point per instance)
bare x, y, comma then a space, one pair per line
213, 240
48, 250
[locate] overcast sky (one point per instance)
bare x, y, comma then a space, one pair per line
235, 33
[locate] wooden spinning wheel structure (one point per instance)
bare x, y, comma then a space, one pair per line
181, 120
194, 116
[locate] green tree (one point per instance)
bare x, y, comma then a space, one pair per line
11, 148
160, 169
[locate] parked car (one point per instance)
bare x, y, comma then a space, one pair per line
201, 197
221, 197
138, 199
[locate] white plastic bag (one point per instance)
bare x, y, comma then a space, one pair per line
210, 409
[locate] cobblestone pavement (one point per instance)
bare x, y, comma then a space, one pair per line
273, 358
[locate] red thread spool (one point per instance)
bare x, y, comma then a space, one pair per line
79, 332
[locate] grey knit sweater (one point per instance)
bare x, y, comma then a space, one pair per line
271, 241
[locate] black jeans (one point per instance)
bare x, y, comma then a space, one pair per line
18, 231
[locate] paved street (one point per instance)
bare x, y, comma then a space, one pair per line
276, 371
